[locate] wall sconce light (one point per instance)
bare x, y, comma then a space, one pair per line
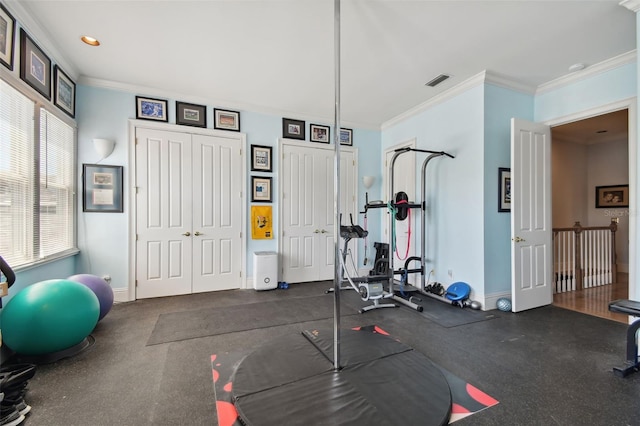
368, 181
104, 147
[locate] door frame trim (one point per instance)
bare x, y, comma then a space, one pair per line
631, 105
130, 180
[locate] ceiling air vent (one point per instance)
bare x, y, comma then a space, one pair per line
439, 79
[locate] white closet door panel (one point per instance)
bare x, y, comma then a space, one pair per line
163, 250
217, 213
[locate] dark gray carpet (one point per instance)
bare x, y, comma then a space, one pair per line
451, 316
184, 325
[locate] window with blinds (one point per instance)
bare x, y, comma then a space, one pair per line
37, 184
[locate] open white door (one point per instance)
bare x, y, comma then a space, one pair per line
531, 249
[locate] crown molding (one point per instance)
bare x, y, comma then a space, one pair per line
478, 79
633, 5
607, 65
40, 36
438, 99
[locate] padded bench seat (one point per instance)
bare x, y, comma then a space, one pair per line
629, 307
624, 306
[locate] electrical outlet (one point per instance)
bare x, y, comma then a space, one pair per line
107, 278
450, 273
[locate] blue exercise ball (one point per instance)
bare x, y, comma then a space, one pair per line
100, 287
504, 304
49, 316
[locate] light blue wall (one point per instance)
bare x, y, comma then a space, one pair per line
601, 89
103, 238
455, 192
500, 105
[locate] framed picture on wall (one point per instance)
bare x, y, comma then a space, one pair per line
346, 137
102, 188
64, 92
293, 129
613, 196
35, 66
504, 189
7, 32
151, 109
320, 133
191, 114
261, 189
226, 120
260, 158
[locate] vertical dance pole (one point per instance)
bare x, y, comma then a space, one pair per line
336, 189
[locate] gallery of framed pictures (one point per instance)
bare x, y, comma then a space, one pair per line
102, 188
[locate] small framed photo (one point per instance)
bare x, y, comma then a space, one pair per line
64, 92
260, 158
615, 196
346, 137
35, 66
293, 129
151, 109
504, 189
102, 188
226, 120
7, 33
191, 114
320, 133
261, 192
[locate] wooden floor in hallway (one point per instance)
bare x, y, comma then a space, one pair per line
595, 301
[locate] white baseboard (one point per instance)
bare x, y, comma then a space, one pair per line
121, 295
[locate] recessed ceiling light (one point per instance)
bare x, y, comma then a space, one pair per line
90, 40
577, 67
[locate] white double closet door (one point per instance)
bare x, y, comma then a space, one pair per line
188, 213
308, 209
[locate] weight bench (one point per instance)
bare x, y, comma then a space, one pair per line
629, 307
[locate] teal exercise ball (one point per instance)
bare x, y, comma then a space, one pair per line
49, 316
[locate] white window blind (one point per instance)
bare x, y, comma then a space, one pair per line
36, 181
56, 186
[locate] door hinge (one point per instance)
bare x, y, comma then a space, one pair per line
240, 274
136, 237
240, 151
136, 283
354, 162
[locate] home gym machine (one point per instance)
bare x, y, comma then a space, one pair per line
398, 207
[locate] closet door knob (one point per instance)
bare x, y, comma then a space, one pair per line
186, 234
197, 233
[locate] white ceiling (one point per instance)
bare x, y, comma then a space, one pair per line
277, 56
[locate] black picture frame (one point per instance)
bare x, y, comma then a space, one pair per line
346, 136
191, 114
7, 37
293, 129
64, 92
151, 109
504, 189
102, 188
35, 66
319, 133
612, 196
224, 119
261, 189
261, 158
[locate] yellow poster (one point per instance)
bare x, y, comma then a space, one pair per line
261, 223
